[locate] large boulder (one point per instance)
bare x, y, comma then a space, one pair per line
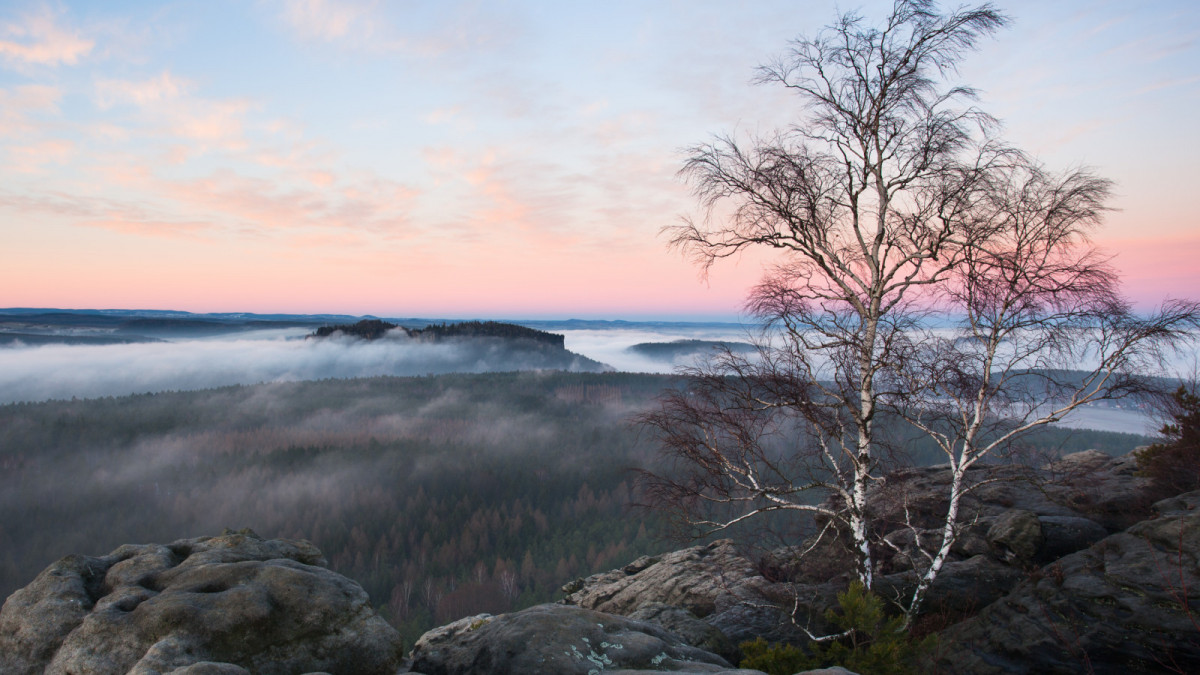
1129, 603
689, 628
693, 578
714, 583
212, 605
1022, 516
558, 639
1017, 535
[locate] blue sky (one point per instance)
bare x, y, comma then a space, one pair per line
500, 158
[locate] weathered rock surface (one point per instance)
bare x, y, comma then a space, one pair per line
1017, 534
692, 578
1020, 515
207, 606
1017, 519
558, 639
713, 583
689, 628
1129, 603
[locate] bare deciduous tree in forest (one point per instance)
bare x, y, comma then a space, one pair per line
891, 203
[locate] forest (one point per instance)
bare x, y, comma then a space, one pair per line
444, 496
374, 329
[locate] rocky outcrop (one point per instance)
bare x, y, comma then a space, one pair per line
689, 628
558, 639
1128, 603
1017, 519
209, 606
693, 578
713, 583
1020, 515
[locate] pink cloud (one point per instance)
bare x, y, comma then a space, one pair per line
165, 106
140, 93
106, 213
426, 32
19, 106
327, 20
32, 157
39, 39
218, 122
132, 223
443, 115
259, 205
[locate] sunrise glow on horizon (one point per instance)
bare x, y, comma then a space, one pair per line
502, 160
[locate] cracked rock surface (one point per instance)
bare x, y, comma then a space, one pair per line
558, 639
1129, 603
227, 604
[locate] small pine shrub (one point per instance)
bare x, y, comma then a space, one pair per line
1174, 466
778, 659
875, 644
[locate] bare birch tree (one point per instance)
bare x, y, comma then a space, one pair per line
1040, 330
889, 201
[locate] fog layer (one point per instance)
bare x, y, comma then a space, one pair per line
46, 372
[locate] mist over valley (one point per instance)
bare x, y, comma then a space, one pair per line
55, 355
50, 354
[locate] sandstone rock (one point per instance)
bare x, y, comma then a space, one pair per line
207, 606
1017, 517
688, 628
210, 668
714, 583
692, 578
962, 588
1088, 484
1064, 535
1103, 488
1017, 535
557, 639
1018, 514
776, 612
1128, 603
727, 671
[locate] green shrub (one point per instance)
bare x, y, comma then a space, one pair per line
874, 644
778, 659
1174, 466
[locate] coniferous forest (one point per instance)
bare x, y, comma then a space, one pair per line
444, 496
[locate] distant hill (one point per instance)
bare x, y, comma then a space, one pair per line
373, 329
32, 339
671, 351
498, 329
119, 326
506, 346
367, 329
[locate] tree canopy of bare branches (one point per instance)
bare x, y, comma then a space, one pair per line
890, 203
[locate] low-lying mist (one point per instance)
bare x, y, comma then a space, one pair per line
39, 373
486, 491
612, 345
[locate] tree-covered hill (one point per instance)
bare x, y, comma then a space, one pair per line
374, 329
367, 329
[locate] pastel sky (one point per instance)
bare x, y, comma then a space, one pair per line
500, 159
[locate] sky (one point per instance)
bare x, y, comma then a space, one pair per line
495, 159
